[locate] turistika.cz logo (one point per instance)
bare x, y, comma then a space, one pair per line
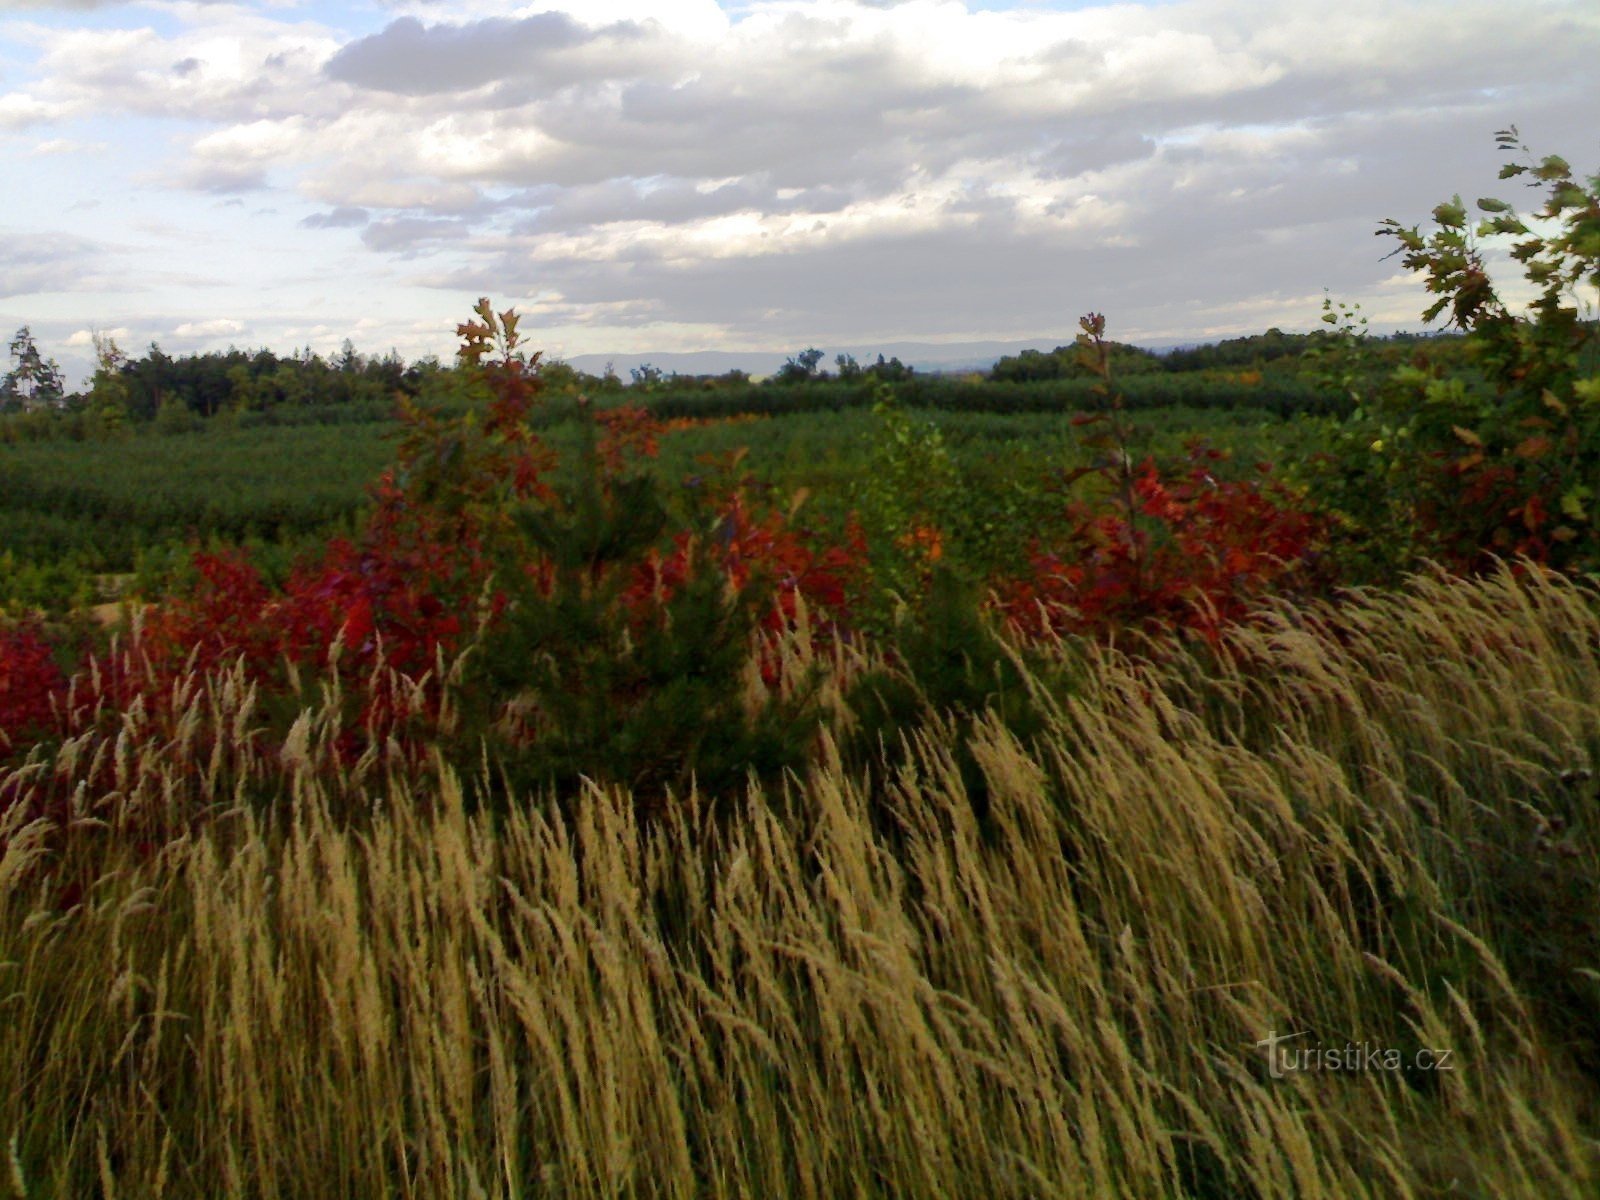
1287, 1056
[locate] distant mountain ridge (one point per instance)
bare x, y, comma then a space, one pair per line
927, 357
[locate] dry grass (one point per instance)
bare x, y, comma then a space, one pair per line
853, 989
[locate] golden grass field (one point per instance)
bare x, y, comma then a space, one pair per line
1370, 827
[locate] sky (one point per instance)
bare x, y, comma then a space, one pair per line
678, 175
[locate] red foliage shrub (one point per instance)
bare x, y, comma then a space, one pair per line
30, 685
219, 620
752, 547
1202, 554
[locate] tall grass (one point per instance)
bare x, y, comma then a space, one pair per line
1369, 826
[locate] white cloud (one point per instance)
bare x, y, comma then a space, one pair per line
19, 110
84, 338
216, 327
57, 146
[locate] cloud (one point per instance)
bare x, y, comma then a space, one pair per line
74, 5
854, 169
84, 338
344, 217
224, 64
216, 327
52, 147
33, 263
414, 59
409, 234
20, 110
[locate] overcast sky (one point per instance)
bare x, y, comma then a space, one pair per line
680, 174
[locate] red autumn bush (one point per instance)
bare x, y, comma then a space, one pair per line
1195, 554
31, 684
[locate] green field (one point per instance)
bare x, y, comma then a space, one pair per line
69, 508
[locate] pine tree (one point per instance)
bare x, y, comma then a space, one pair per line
34, 382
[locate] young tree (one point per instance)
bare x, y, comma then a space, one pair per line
108, 390
1503, 461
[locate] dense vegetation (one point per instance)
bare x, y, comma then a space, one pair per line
595, 811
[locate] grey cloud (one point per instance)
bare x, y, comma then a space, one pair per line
410, 233
954, 281
33, 262
1263, 188
1211, 229
1079, 155
220, 178
342, 217
671, 202
414, 59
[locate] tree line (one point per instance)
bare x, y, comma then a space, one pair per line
178, 392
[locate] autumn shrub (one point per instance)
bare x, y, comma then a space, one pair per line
31, 684
1193, 554
1151, 550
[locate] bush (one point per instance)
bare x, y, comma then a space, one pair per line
30, 685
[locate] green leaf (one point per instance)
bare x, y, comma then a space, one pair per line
1490, 205
1452, 215
1554, 167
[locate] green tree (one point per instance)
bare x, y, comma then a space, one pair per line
1065, 362
802, 367
108, 389
893, 371
647, 377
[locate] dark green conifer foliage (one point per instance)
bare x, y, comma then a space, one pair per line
649, 694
